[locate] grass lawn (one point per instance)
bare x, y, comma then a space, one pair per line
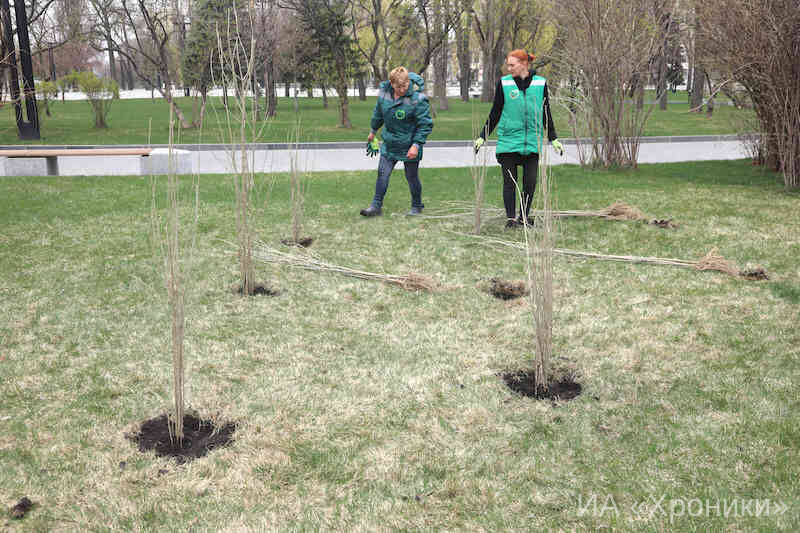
129, 121
363, 407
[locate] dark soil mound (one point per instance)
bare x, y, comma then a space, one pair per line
259, 290
524, 382
754, 274
664, 223
305, 242
22, 507
507, 290
199, 437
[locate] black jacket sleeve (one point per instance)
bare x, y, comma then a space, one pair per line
548, 117
494, 114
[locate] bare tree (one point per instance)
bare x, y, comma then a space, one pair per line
174, 243
269, 22
402, 33
606, 47
442, 22
104, 18
45, 34
235, 51
372, 15
758, 43
491, 22
463, 32
436, 18
539, 246
149, 52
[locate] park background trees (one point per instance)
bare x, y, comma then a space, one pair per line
757, 45
342, 44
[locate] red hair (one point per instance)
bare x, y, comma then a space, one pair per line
522, 55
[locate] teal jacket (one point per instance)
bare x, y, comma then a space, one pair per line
406, 121
521, 125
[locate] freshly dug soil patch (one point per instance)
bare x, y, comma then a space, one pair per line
22, 507
305, 242
666, 223
507, 290
199, 437
524, 382
259, 290
754, 274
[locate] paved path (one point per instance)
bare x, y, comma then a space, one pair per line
313, 157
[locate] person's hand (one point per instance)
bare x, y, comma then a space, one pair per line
558, 147
478, 143
372, 146
412, 152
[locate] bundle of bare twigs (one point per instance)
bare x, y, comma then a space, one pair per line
622, 211
616, 211
308, 261
711, 261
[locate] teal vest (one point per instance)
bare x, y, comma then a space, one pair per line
521, 125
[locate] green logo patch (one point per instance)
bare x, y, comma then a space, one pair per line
400, 114
514, 93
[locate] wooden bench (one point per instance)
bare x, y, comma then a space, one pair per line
52, 154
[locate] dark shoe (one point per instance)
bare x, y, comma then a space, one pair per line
521, 223
414, 212
371, 211
511, 223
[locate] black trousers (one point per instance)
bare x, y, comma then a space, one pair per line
530, 168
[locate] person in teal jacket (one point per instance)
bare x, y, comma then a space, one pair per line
522, 109
404, 113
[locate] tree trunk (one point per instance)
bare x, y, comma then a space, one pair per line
325, 97
269, 89
640, 97
710, 103
662, 81
698, 86
440, 76
362, 88
52, 64
344, 108
492, 71
167, 94
204, 99
195, 111
112, 61
256, 96
131, 77
27, 130
464, 55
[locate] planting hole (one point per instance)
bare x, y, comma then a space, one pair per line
199, 437
524, 382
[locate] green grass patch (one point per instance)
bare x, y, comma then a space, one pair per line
130, 120
361, 406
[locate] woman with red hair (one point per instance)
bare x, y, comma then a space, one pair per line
522, 109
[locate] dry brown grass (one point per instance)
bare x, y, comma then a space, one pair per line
309, 261
362, 407
616, 211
